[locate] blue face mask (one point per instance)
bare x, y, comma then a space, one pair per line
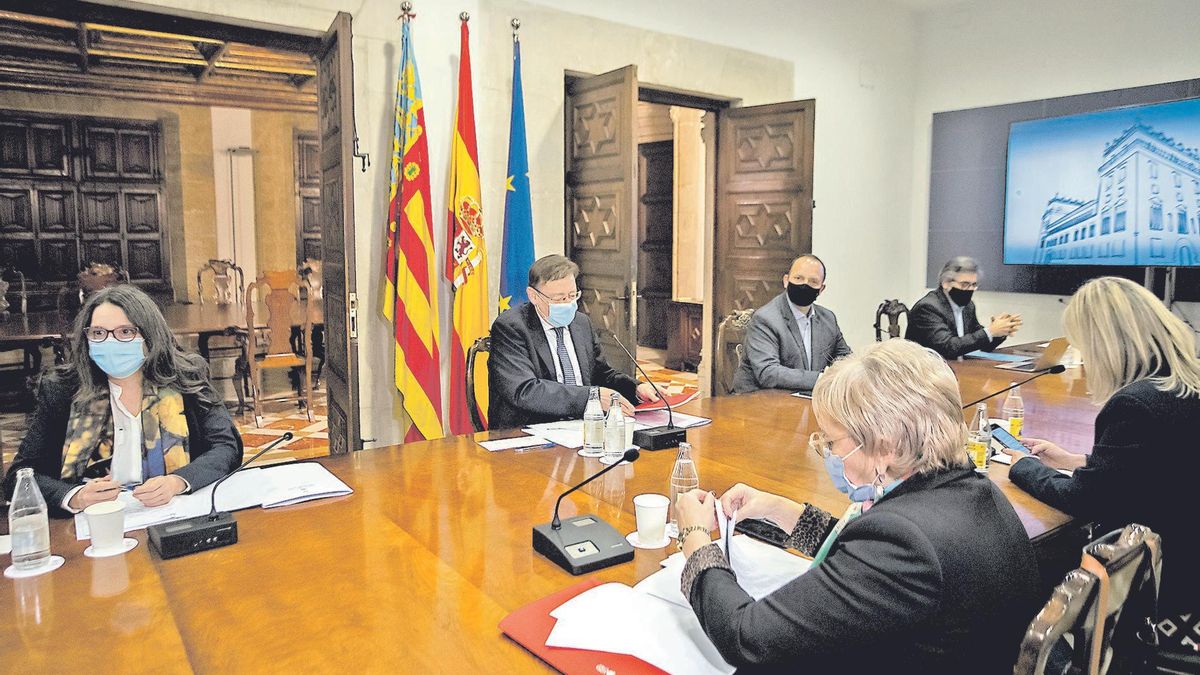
118, 359
836, 468
561, 314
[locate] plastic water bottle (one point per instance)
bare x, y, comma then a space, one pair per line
28, 524
1014, 410
593, 426
684, 478
979, 441
614, 430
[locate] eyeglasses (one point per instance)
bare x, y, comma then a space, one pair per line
122, 333
821, 444
566, 297
964, 285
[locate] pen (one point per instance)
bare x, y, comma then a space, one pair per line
540, 446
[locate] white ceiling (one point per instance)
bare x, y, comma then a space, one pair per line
927, 5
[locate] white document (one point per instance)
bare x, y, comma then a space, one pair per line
761, 570
275, 485
616, 619
568, 433
659, 418
800, 394
513, 443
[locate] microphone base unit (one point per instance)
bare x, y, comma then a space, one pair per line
659, 438
583, 544
192, 535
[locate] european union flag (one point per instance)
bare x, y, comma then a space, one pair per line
517, 253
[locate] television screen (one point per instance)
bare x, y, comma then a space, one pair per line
1114, 187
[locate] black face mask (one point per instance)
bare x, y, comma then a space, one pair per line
802, 295
960, 297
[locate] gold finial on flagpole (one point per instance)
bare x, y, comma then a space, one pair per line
516, 26
464, 17
406, 12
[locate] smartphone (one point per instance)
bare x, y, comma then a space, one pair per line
1001, 435
763, 531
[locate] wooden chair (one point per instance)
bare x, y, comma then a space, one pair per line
93, 277
731, 332
1102, 606
279, 293
223, 290
893, 309
22, 292
484, 345
314, 294
19, 370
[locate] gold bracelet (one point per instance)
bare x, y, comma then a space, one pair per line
683, 534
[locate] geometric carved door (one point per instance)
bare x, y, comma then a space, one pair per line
601, 204
764, 201
335, 124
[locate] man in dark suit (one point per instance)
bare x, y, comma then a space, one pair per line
791, 339
545, 356
944, 320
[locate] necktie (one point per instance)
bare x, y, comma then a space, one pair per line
564, 358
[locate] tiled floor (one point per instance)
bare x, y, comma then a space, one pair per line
312, 438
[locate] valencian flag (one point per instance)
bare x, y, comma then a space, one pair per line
466, 255
517, 254
410, 289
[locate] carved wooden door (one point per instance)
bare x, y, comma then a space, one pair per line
764, 201
656, 230
336, 129
601, 204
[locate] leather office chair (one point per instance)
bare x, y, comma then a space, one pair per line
280, 296
893, 309
1107, 606
484, 345
731, 332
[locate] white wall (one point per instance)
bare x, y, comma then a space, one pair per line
991, 53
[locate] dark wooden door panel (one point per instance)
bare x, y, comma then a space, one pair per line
141, 213
137, 155
101, 152
16, 212
764, 200
656, 188
335, 86
145, 260
51, 142
22, 254
601, 208
308, 197
14, 147
101, 212
57, 212
106, 251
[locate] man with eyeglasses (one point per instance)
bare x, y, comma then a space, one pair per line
944, 320
545, 356
791, 340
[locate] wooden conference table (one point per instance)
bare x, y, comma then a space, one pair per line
414, 571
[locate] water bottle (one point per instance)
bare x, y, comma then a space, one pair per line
684, 478
979, 441
28, 524
614, 430
1014, 410
593, 426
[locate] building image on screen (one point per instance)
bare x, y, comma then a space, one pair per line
1116, 187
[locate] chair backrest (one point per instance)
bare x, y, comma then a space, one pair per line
96, 276
7, 273
1103, 605
892, 309
279, 294
483, 344
228, 281
310, 271
731, 332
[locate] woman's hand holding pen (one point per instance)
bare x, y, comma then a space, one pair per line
95, 491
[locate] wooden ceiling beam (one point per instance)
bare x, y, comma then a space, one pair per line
83, 46
212, 62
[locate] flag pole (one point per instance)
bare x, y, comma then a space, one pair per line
406, 12
516, 26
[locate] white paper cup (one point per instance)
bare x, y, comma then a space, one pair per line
651, 513
106, 523
629, 429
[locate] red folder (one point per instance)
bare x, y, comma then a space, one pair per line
530, 625
675, 400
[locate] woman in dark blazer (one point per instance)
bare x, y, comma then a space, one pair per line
928, 571
131, 410
1141, 364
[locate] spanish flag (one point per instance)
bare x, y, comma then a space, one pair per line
410, 289
466, 254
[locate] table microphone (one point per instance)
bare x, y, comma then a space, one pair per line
583, 543
655, 438
1052, 370
201, 533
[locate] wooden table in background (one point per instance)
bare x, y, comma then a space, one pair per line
415, 570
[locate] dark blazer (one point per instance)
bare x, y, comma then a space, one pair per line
938, 577
1141, 470
213, 443
931, 324
522, 388
775, 357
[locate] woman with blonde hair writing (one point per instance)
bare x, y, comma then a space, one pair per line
1141, 364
